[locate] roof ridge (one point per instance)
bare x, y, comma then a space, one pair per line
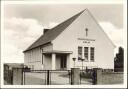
54, 32
70, 18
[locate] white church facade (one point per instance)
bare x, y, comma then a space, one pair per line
79, 37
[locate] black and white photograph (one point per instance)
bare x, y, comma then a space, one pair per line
81, 44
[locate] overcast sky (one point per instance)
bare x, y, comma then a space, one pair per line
24, 23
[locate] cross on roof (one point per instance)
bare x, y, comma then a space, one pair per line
86, 31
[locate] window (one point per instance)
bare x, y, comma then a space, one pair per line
86, 53
92, 54
42, 58
79, 53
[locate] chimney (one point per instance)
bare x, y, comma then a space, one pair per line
45, 30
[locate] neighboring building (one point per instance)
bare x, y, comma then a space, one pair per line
79, 37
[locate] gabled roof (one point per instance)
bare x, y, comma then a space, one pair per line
53, 33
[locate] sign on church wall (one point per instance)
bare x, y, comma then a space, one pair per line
85, 40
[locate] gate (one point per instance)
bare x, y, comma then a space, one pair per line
35, 77
86, 77
46, 77
60, 77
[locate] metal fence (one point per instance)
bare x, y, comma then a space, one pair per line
60, 77
46, 77
27, 76
34, 77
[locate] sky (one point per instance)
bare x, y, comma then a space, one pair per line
24, 23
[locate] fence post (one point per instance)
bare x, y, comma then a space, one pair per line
48, 77
75, 76
17, 76
97, 76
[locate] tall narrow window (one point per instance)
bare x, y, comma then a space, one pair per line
86, 53
42, 58
92, 54
79, 53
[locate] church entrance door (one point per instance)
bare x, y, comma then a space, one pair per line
63, 62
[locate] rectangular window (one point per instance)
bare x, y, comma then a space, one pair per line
92, 54
86, 53
42, 59
79, 53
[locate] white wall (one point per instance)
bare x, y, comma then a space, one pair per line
68, 41
47, 58
47, 62
47, 47
34, 57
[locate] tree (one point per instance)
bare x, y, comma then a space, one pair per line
119, 59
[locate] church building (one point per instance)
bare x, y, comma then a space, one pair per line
78, 42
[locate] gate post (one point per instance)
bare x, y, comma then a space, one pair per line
75, 76
97, 76
17, 76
